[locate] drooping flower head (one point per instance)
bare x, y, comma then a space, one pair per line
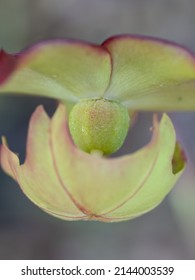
65, 171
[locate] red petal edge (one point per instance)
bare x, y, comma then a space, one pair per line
150, 39
7, 65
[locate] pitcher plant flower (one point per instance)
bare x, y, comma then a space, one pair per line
67, 171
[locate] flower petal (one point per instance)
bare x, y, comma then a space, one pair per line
101, 185
167, 169
71, 184
151, 74
66, 70
37, 176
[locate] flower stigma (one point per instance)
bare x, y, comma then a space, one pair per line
99, 125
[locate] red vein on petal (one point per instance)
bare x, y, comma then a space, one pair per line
76, 203
111, 68
154, 139
130, 217
64, 217
137, 190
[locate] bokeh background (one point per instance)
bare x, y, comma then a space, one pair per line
168, 232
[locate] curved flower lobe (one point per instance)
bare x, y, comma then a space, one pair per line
71, 184
151, 74
141, 72
66, 70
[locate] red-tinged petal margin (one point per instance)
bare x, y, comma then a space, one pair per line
143, 73
63, 69
7, 65
73, 185
151, 74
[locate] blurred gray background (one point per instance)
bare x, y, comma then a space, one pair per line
168, 232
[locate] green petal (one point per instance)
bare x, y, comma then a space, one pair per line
151, 74
71, 184
97, 183
37, 177
66, 70
169, 165
102, 185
